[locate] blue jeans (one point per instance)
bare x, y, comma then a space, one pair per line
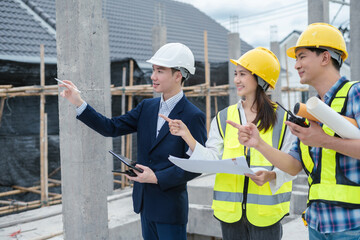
353, 234
162, 231
244, 230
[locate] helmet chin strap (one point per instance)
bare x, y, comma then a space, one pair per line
184, 72
334, 54
262, 83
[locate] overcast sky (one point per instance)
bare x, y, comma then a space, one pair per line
255, 17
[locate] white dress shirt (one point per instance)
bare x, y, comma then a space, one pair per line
166, 107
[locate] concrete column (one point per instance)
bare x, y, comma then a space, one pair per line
318, 11
234, 44
354, 39
83, 57
159, 34
158, 40
275, 48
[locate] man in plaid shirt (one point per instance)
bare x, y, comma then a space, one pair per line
332, 163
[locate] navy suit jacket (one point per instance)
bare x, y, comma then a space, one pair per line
167, 201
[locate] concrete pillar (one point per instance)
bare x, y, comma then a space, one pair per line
158, 37
159, 33
354, 39
275, 48
318, 11
234, 44
83, 57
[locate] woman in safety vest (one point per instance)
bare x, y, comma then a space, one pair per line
250, 206
331, 162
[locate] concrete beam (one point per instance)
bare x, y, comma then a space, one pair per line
202, 221
83, 57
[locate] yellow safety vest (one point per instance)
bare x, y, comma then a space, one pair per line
328, 183
233, 193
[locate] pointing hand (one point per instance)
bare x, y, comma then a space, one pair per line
176, 127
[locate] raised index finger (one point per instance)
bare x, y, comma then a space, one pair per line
234, 124
165, 117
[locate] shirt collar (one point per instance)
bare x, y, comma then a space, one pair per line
171, 102
239, 104
328, 95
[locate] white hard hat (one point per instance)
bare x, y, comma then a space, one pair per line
174, 55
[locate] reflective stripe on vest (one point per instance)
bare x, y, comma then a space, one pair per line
325, 181
262, 207
252, 198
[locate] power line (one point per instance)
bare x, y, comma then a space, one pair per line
267, 18
272, 12
337, 13
281, 15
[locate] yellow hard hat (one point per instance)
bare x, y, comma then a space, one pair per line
320, 35
261, 62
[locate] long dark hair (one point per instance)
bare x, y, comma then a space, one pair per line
265, 110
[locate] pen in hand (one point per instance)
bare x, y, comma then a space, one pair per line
67, 85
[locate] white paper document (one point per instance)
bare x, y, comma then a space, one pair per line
234, 166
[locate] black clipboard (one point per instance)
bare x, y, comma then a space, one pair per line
126, 161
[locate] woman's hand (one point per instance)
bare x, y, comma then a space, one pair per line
262, 177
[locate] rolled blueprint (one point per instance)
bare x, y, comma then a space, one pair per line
332, 119
300, 110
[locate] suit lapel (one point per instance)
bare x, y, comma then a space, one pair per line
153, 117
174, 114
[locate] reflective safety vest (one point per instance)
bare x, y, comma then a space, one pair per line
234, 193
328, 183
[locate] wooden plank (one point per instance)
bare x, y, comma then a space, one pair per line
207, 82
140, 90
57, 182
35, 191
14, 203
43, 137
130, 100
123, 110
29, 205
2, 103
13, 192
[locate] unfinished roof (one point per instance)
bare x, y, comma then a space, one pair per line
25, 24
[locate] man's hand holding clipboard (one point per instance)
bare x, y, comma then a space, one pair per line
136, 172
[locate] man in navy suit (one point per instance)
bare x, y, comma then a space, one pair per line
159, 194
